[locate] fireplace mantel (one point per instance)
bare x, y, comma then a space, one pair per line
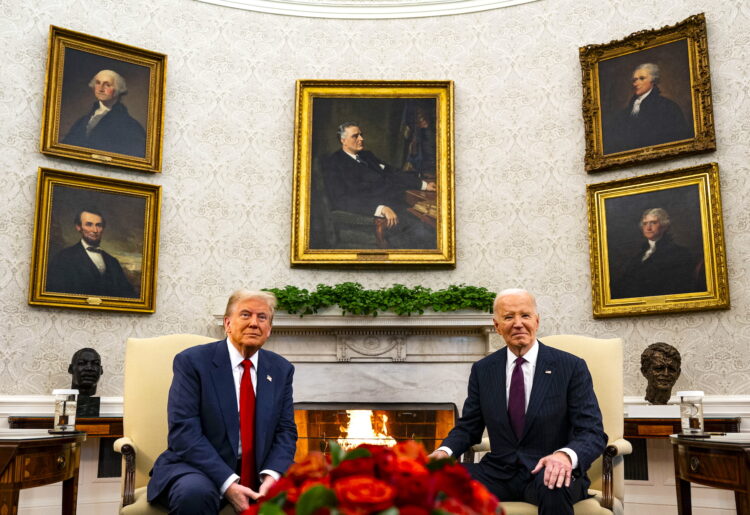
462, 336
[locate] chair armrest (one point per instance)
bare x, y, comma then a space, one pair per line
618, 447
126, 447
347, 217
483, 446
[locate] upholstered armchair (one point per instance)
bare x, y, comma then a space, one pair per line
605, 361
148, 375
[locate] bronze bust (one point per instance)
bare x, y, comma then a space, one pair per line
86, 368
661, 365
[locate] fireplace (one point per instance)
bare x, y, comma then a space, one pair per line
378, 423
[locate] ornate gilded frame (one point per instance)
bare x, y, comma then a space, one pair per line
681, 51
74, 58
131, 235
375, 105
692, 198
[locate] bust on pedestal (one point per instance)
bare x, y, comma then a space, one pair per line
661, 365
86, 368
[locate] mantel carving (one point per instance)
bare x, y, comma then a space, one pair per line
428, 338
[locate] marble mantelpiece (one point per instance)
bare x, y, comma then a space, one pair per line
452, 337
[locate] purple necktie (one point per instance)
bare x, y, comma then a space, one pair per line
517, 399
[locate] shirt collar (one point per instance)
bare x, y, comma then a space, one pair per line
647, 93
531, 355
235, 358
353, 156
87, 245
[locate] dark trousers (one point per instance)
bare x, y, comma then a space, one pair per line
411, 233
191, 494
530, 488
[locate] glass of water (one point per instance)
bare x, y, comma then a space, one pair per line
65, 410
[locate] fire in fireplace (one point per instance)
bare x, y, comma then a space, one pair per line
351, 424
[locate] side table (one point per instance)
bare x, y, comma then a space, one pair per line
36, 458
719, 461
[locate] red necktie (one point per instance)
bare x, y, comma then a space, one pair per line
517, 399
247, 427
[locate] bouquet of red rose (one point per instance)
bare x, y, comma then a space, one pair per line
373, 479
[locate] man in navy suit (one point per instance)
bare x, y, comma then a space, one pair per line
541, 458
198, 473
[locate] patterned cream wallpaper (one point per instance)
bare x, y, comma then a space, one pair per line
520, 183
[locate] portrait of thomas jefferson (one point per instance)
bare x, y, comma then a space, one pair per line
104, 104
645, 98
658, 261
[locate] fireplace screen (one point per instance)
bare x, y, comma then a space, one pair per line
351, 424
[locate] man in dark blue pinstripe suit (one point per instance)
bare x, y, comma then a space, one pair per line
541, 454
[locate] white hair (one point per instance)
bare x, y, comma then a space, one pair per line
660, 214
121, 86
652, 70
512, 291
243, 294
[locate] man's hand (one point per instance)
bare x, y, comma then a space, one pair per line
238, 496
430, 186
391, 218
557, 470
438, 454
265, 486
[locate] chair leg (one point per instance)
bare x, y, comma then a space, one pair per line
380, 226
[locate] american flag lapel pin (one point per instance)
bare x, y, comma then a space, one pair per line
269, 378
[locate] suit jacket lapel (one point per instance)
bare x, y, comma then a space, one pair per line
541, 384
264, 394
223, 380
498, 378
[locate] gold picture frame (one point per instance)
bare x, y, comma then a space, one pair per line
340, 203
87, 115
628, 123
75, 213
684, 269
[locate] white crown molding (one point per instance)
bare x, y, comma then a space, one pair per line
367, 9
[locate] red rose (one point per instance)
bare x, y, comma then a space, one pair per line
384, 458
283, 485
452, 505
361, 493
313, 466
482, 500
411, 450
413, 510
454, 480
355, 467
252, 510
413, 484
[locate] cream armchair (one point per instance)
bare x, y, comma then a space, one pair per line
148, 375
604, 359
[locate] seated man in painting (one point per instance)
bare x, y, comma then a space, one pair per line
358, 181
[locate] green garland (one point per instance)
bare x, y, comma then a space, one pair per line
352, 298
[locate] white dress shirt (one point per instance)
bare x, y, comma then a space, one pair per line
96, 257
650, 250
637, 104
